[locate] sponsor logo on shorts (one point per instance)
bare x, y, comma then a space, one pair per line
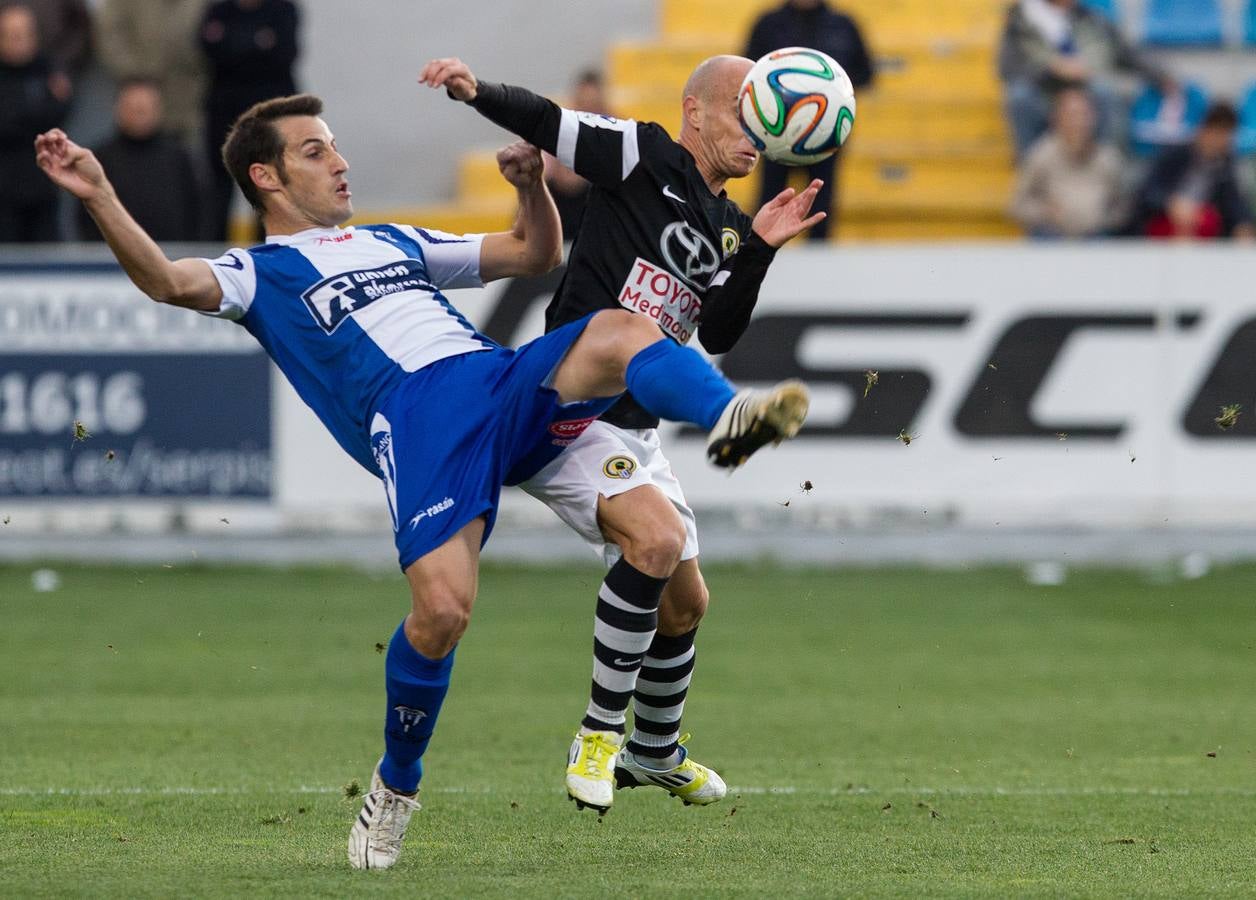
619, 467
566, 431
409, 716
434, 510
655, 292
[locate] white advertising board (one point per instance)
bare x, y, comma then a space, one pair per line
1058, 386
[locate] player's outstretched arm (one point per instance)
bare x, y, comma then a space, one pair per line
75, 169
535, 244
734, 291
598, 148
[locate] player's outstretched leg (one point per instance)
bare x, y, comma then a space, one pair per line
674, 382
619, 348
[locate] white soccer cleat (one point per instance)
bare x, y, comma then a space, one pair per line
755, 418
691, 781
591, 769
375, 838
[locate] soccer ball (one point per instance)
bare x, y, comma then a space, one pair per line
797, 106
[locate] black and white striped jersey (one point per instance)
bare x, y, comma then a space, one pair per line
654, 239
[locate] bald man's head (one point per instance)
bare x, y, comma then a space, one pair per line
710, 129
713, 77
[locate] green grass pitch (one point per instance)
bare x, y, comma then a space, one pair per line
187, 732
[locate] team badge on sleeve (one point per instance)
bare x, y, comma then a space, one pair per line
619, 467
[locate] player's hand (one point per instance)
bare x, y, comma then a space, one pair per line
786, 215
70, 166
453, 75
521, 164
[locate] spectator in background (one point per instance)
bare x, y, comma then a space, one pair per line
158, 40
65, 32
150, 169
810, 23
569, 189
34, 96
1071, 185
251, 46
1051, 44
1193, 191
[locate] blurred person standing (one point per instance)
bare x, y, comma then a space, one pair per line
34, 96
150, 168
570, 191
251, 47
1051, 44
1193, 191
65, 32
811, 23
1071, 185
157, 40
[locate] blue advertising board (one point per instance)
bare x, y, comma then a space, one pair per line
104, 393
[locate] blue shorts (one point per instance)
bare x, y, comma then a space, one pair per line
454, 432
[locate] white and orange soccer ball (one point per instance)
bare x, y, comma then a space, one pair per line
797, 106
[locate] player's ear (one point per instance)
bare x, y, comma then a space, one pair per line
691, 109
265, 178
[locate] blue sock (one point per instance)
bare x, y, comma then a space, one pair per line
675, 383
416, 688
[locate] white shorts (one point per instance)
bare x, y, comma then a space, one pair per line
606, 461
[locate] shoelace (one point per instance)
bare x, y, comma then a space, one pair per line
389, 828
598, 755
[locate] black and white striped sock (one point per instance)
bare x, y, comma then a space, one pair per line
659, 699
627, 614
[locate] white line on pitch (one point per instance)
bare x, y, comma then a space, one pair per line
960, 791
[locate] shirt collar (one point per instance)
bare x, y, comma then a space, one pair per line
307, 234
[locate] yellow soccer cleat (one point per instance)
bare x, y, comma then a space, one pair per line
692, 782
591, 770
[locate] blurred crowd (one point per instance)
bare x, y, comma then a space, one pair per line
1093, 164
1108, 141
180, 73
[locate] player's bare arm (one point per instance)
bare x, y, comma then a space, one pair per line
534, 245
188, 282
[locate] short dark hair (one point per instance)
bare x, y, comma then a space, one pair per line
255, 139
1221, 115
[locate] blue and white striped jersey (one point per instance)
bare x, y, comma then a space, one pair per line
348, 313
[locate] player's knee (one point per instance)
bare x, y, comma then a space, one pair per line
655, 549
620, 334
438, 623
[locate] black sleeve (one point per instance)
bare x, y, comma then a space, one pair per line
734, 291
601, 149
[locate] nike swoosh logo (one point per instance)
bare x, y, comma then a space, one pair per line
625, 663
668, 192
236, 262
